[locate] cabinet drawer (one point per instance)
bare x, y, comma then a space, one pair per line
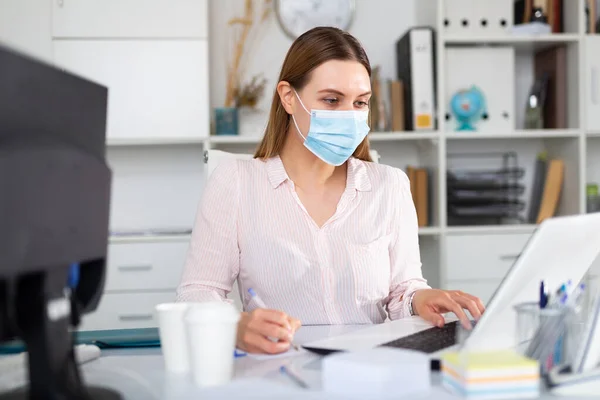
482, 289
126, 311
472, 257
157, 89
145, 266
130, 18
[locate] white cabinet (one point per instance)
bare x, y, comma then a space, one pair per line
140, 275
477, 263
145, 266
592, 82
157, 88
129, 18
25, 27
477, 257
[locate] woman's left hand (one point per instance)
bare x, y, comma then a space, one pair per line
430, 304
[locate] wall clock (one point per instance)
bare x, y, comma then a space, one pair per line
298, 16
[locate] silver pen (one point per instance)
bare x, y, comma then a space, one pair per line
261, 304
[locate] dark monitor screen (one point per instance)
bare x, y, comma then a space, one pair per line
54, 181
38, 101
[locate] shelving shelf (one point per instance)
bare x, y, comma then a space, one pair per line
429, 231
149, 141
225, 139
517, 134
493, 229
519, 41
114, 239
399, 136
374, 137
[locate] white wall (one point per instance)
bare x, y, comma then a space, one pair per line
378, 24
158, 187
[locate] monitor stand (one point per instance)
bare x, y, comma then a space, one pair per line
43, 309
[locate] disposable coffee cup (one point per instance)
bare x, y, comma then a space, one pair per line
173, 339
211, 332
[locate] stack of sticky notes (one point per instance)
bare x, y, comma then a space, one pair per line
491, 375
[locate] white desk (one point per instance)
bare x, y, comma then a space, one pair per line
139, 374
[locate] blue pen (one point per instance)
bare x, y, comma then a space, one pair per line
238, 354
543, 296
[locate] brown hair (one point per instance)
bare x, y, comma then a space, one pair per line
308, 51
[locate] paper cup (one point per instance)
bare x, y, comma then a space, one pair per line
211, 331
173, 339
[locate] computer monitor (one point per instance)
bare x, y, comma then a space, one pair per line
54, 213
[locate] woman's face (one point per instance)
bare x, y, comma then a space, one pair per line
334, 85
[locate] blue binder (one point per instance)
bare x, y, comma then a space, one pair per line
105, 339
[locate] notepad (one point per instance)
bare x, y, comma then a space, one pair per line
497, 375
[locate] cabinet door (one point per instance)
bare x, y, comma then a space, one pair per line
131, 310
130, 18
25, 27
157, 89
592, 86
481, 257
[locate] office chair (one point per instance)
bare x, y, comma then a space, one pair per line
212, 158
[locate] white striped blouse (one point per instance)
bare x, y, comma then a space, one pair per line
359, 267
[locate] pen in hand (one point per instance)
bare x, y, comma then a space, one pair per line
261, 304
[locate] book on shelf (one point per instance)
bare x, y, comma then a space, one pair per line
420, 187
537, 186
397, 105
592, 15
552, 64
377, 109
555, 176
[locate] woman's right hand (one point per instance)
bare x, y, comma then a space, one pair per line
256, 328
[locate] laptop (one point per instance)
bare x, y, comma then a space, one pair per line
561, 249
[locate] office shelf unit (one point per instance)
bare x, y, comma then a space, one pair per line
475, 258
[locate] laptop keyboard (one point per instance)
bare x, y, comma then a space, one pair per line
429, 340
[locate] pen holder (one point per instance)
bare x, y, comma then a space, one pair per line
548, 335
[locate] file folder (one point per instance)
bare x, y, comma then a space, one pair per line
416, 66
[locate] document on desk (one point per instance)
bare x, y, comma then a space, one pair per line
290, 353
262, 389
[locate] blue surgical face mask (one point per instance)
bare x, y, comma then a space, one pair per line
334, 135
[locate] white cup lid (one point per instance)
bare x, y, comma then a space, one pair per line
210, 312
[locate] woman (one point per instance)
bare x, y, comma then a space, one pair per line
322, 234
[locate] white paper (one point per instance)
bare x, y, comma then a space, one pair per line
290, 353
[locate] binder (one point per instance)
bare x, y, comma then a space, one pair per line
553, 64
416, 68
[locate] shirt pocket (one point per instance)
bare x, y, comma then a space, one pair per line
371, 269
